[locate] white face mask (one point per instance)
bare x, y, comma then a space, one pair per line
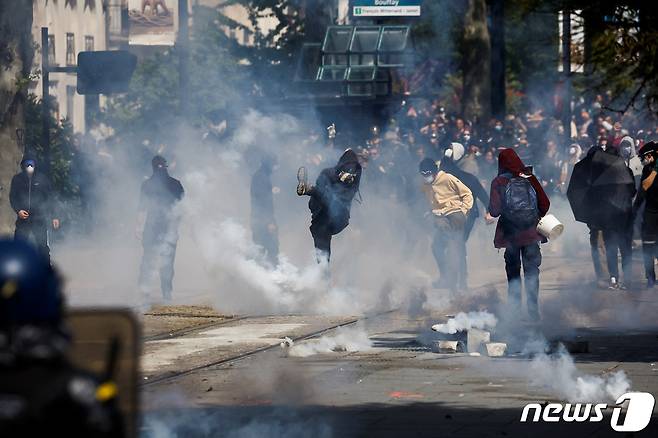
346, 177
429, 179
29, 170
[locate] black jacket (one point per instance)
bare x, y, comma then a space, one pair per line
333, 198
34, 195
159, 195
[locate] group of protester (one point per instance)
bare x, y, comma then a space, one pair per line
606, 171
510, 167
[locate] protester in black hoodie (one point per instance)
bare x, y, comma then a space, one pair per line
159, 219
331, 199
32, 198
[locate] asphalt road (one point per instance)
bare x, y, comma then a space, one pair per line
393, 383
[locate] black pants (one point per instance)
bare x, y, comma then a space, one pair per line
324, 224
321, 232
158, 256
619, 241
35, 232
594, 248
449, 249
530, 258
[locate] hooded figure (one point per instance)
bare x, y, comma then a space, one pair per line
32, 198
331, 199
515, 185
159, 197
263, 225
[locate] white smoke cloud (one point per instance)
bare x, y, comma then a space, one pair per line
465, 321
346, 339
558, 373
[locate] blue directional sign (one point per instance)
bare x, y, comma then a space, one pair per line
386, 8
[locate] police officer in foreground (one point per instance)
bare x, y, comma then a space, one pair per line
31, 197
41, 392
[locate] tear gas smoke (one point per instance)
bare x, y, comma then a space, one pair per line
465, 321
346, 339
558, 374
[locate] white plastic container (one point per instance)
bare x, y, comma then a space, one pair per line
550, 227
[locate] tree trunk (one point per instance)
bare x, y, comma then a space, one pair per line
476, 63
15, 64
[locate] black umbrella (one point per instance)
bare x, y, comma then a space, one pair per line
601, 190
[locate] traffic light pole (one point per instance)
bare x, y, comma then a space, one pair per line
46, 69
183, 56
45, 100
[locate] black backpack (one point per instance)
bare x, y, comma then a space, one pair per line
520, 209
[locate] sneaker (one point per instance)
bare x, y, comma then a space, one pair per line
622, 286
302, 181
613, 283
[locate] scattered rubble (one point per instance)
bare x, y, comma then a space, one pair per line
450, 346
496, 349
475, 338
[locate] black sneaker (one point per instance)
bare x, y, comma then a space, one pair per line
302, 181
614, 284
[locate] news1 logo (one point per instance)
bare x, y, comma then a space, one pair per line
638, 413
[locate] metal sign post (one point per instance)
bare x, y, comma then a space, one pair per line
46, 69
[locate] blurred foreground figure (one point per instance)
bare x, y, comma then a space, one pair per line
158, 223
41, 393
520, 201
31, 197
450, 201
263, 225
331, 199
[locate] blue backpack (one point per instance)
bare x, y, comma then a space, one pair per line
520, 209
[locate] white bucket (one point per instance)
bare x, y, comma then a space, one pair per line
549, 226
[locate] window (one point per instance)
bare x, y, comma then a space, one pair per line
70, 49
51, 50
89, 43
231, 33
70, 102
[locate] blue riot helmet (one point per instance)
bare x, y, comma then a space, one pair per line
30, 292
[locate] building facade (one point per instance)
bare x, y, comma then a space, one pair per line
73, 26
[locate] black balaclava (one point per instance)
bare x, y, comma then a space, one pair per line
159, 165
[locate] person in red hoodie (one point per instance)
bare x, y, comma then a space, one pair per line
519, 200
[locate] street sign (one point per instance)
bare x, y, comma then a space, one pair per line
386, 8
105, 72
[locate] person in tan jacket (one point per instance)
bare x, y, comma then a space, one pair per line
450, 200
